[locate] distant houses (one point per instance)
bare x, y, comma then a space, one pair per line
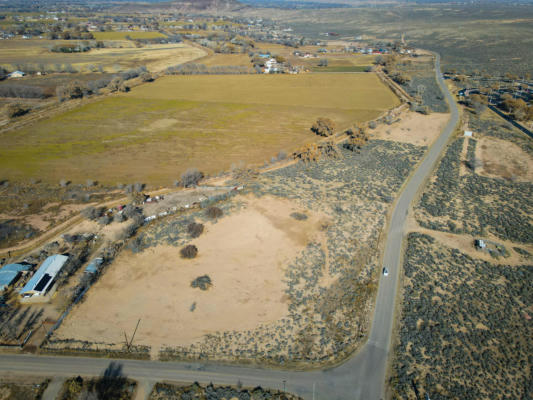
44, 277
271, 66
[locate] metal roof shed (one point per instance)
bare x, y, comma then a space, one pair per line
94, 265
43, 279
9, 273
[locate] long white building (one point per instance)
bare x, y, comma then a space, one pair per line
44, 278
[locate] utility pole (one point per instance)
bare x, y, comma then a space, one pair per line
134, 332
129, 343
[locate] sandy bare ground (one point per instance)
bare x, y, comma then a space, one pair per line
244, 254
504, 159
465, 243
414, 128
47, 218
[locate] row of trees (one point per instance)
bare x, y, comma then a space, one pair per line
201, 69
22, 91
77, 89
389, 64
517, 108
70, 35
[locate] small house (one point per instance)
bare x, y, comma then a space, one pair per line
468, 133
271, 66
16, 74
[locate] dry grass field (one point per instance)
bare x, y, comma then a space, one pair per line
155, 57
158, 130
123, 35
227, 59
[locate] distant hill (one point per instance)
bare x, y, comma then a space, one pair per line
186, 6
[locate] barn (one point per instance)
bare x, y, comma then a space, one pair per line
10, 273
44, 278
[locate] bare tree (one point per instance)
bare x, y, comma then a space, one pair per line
116, 83
16, 110
191, 177
323, 127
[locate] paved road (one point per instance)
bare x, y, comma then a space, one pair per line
361, 377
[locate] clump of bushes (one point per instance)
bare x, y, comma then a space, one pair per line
93, 213
425, 110
189, 251
357, 138
299, 216
117, 84
400, 78
105, 220
214, 212
191, 177
74, 90
202, 282
16, 110
136, 187
307, 153
323, 127
147, 77
195, 229
136, 245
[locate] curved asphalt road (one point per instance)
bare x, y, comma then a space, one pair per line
361, 377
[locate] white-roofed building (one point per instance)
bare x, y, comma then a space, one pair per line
44, 278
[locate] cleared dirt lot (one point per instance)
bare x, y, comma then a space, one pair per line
413, 128
465, 244
503, 159
244, 254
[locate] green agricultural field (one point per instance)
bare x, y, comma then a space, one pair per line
158, 130
122, 35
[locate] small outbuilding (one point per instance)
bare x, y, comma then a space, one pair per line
468, 133
44, 277
480, 243
94, 265
16, 74
10, 273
